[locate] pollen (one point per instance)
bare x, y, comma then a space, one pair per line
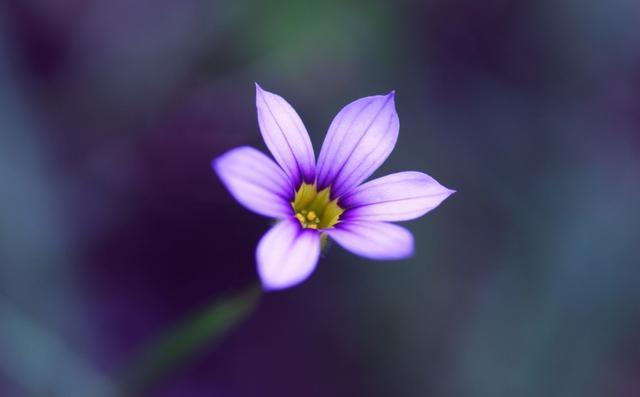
314, 209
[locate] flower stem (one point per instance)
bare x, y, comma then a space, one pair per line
174, 347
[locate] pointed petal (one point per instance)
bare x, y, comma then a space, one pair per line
359, 140
287, 254
374, 240
396, 197
285, 136
255, 181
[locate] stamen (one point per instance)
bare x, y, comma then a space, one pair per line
311, 215
314, 209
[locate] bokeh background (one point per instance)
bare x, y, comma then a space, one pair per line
113, 226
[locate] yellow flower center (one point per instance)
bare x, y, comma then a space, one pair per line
313, 208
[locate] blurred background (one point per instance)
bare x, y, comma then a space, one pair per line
113, 226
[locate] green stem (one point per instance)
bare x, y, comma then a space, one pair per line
174, 347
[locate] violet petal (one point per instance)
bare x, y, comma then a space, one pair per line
396, 197
286, 136
359, 140
374, 240
287, 254
255, 181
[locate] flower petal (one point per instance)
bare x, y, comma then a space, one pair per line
375, 240
359, 140
255, 181
396, 197
287, 254
285, 136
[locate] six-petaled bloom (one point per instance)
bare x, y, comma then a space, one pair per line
312, 200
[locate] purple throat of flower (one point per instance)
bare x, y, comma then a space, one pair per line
315, 200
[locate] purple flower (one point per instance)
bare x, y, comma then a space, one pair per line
314, 200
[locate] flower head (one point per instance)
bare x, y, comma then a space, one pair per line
314, 200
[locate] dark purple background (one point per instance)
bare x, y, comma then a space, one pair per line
113, 226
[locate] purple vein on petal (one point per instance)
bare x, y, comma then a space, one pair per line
375, 240
364, 133
395, 197
335, 176
254, 180
327, 157
285, 136
287, 254
310, 156
368, 170
297, 165
248, 170
362, 137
